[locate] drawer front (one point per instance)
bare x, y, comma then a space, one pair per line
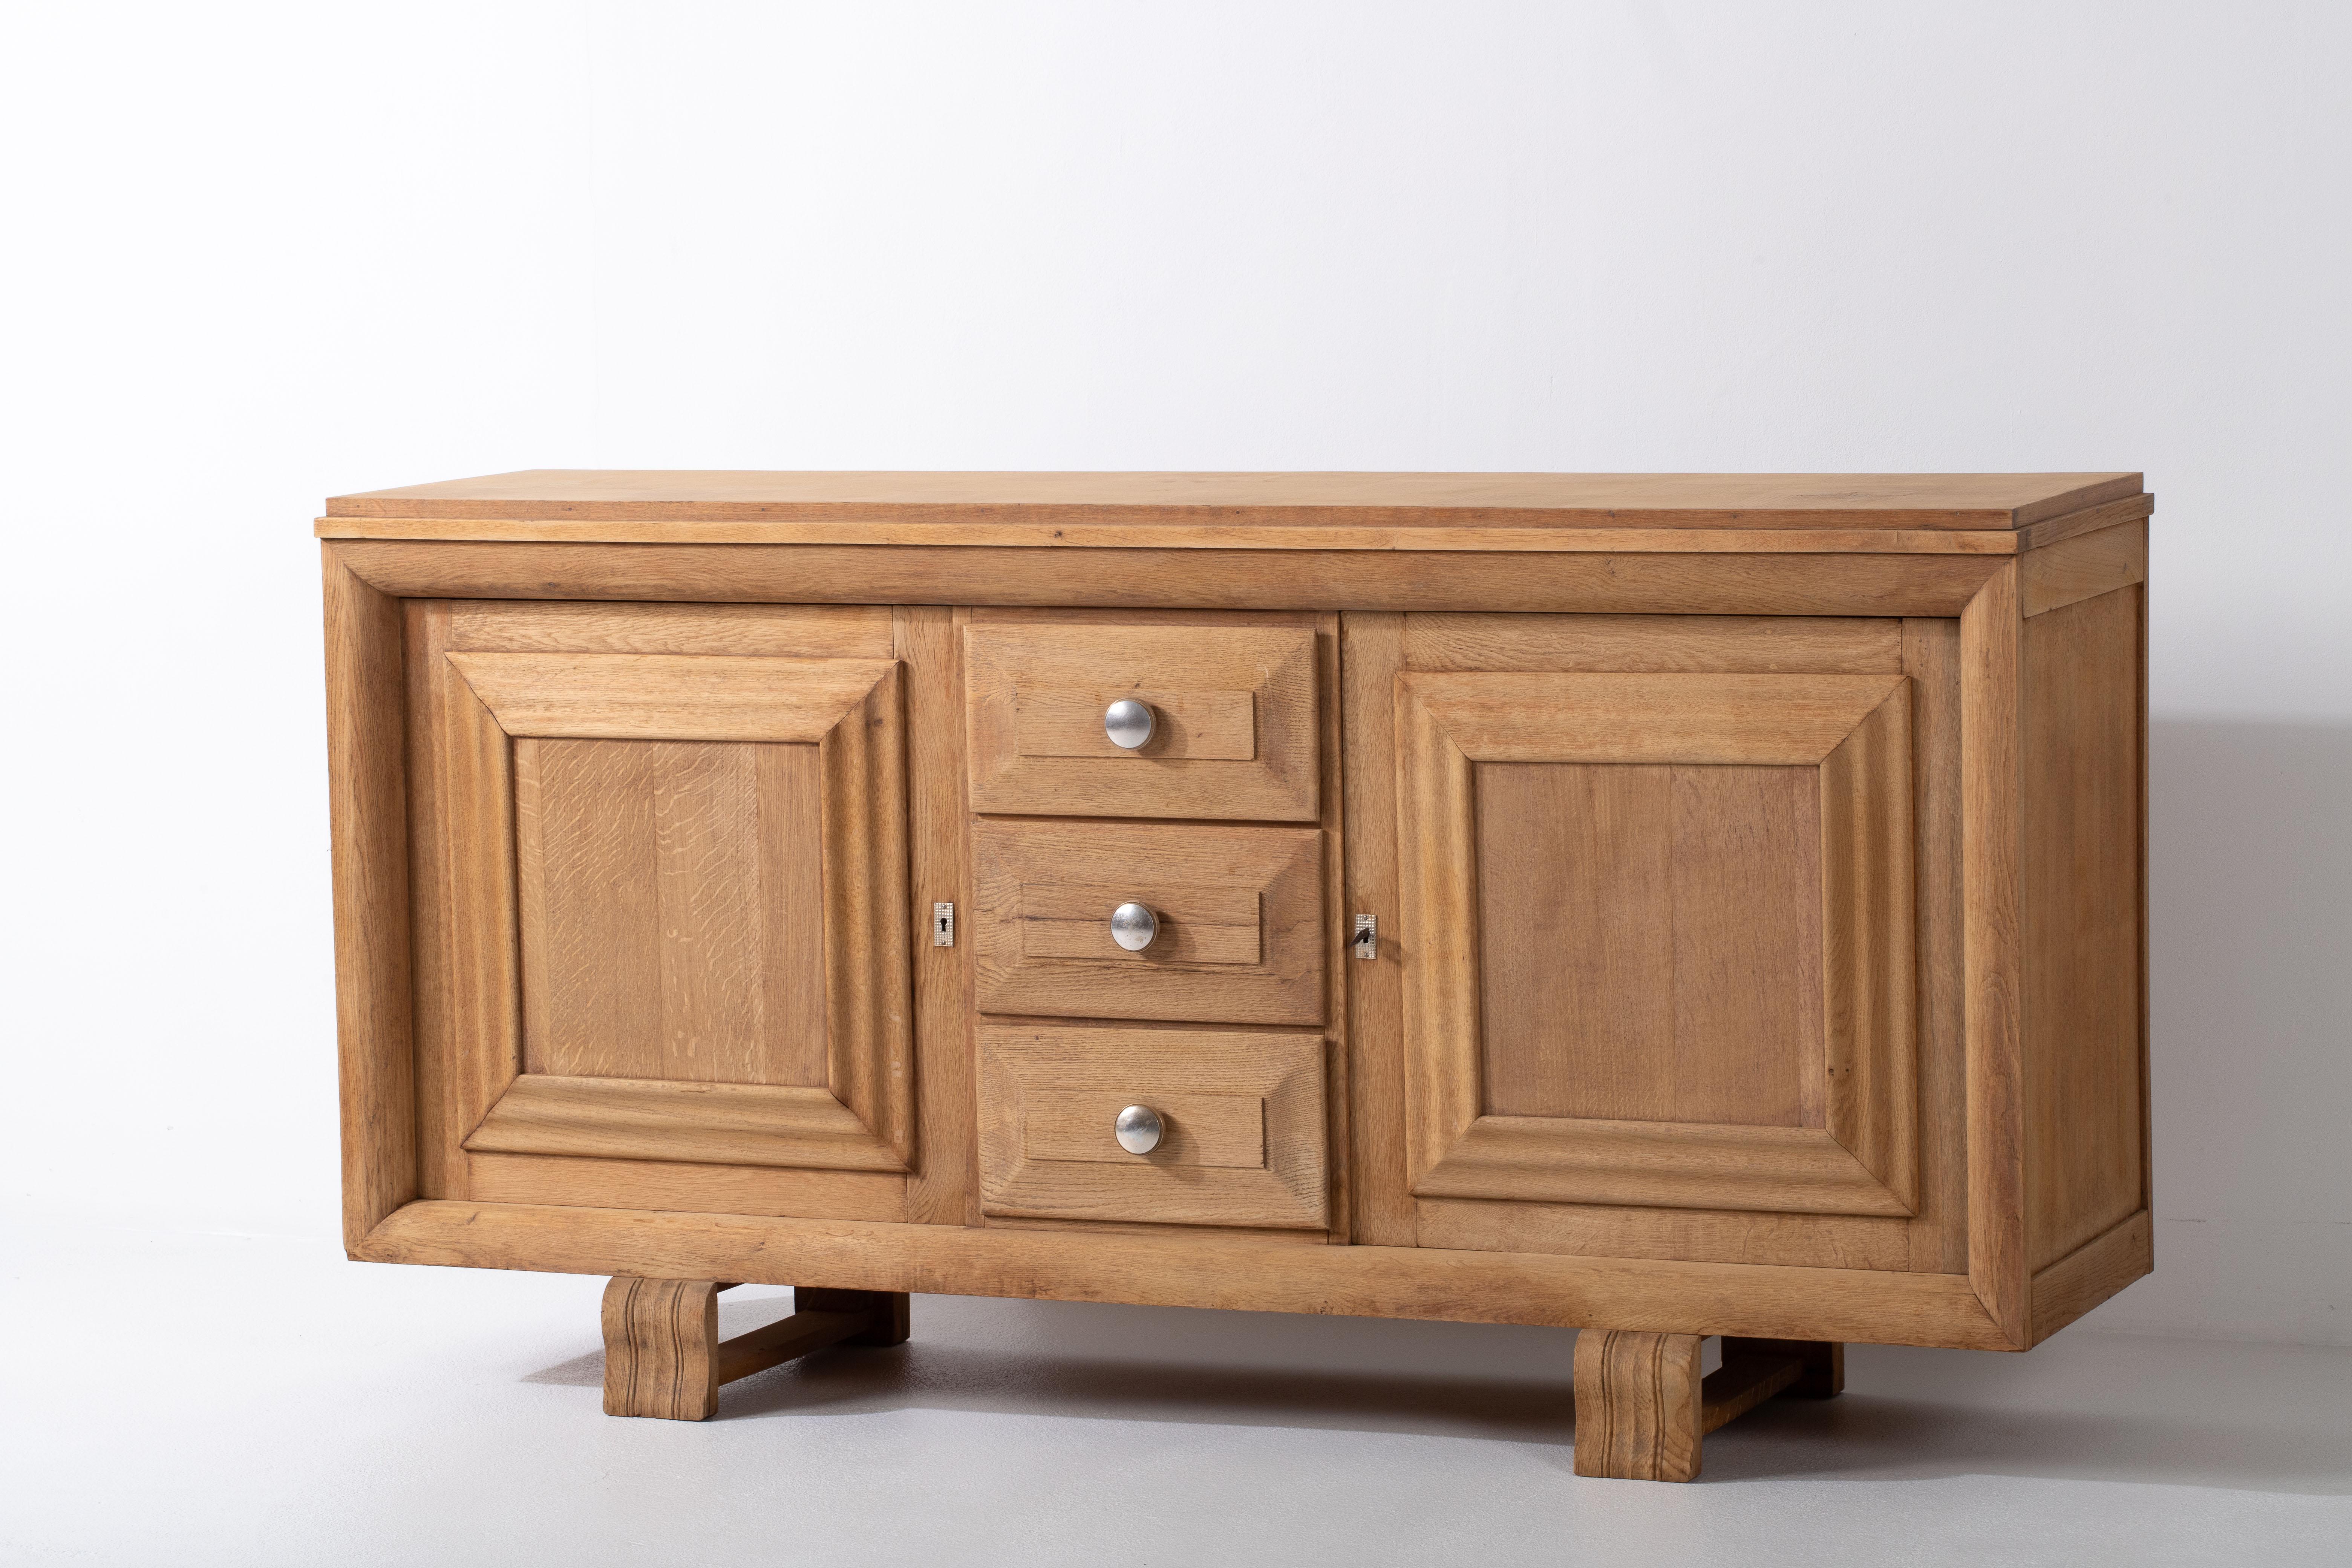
1232, 711
1241, 1119
1239, 912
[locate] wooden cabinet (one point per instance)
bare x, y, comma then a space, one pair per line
1666, 906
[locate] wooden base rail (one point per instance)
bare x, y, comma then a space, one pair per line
663, 1358
1642, 1408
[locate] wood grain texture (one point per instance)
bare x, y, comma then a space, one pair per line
1666, 1164
1637, 1405
674, 923
1372, 648
1174, 1269
1654, 644
1244, 1139
480, 915
366, 744
1697, 1235
663, 1358
1213, 536
2083, 568
1483, 582
1480, 1019
2085, 520
2083, 903
1870, 989
765, 631
669, 697
605, 1182
441, 1161
672, 908
1234, 720
660, 1119
787, 1339
1991, 796
661, 1344
868, 1005
1027, 873
1565, 717
1650, 941
1743, 502
945, 1187
1931, 656
2094, 1271
1187, 726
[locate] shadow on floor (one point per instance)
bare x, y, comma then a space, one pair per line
1862, 1437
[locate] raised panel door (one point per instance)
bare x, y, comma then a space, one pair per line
1655, 933
675, 905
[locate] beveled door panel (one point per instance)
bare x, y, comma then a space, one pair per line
1663, 930
702, 859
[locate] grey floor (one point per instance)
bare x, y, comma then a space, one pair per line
193, 1400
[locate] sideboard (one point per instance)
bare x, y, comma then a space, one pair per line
1665, 906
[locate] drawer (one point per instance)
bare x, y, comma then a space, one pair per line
1233, 730
1241, 1126
1238, 911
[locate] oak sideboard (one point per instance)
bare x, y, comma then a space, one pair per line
1666, 906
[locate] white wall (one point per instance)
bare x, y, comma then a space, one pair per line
256, 254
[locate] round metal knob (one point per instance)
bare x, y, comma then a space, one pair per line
1128, 723
1138, 1128
1133, 926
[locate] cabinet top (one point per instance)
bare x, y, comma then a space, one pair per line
1971, 513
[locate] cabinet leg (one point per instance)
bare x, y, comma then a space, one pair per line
1641, 1407
1637, 1405
663, 1358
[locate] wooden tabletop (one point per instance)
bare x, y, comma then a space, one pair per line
1970, 513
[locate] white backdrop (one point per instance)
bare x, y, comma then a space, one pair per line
256, 254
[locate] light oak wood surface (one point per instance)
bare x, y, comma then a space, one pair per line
1263, 499
663, 1358
368, 824
1243, 1118
1758, 864
1488, 582
2083, 568
945, 1186
2081, 846
1587, 1001
1992, 948
1642, 1408
1170, 1268
1233, 705
1241, 912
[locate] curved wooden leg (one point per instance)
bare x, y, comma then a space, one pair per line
1637, 1405
1642, 1408
663, 1358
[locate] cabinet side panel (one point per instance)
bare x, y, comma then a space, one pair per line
2082, 906
366, 752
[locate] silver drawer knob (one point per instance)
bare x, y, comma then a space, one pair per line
1128, 723
1133, 926
1139, 1128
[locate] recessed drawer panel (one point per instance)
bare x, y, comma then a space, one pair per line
1234, 932
1231, 730
1239, 1122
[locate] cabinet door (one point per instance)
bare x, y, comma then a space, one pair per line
1655, 933
674, 901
